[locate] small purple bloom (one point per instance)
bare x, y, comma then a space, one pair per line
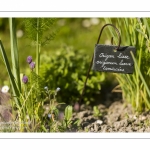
29, 59
25, 79
32, 65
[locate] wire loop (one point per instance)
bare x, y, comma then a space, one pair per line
116, 31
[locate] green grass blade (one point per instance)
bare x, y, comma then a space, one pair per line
12, 79
147, 25
14, 53
140, 74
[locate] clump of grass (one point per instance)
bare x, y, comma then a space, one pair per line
135, 87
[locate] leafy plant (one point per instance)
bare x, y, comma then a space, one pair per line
67, 120
97, 112
67, 69
35, 29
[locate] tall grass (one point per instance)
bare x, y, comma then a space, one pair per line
135, 87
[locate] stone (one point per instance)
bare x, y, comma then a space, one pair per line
96, 127
99, 122
122, 123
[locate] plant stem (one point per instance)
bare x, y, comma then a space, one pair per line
37, 48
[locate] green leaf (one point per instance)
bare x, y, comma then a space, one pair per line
14, 53
12, 79
68, 112
97, 112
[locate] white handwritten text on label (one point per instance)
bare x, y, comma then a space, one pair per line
123, 56
124, 64
107, 56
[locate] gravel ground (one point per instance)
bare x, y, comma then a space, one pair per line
118, 117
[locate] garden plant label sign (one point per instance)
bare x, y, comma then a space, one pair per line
111, 58
108, 59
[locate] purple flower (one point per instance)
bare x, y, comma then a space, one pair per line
32, 65
29, 59
25, 79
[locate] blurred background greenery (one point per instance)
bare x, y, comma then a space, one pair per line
79, 35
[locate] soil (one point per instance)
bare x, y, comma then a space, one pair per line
117, 117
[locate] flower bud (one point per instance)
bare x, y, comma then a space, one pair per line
25, 79
29, 59
32, 65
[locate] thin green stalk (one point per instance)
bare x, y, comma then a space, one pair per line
139, 66
37, 48
127, 30
141, 76
147, 26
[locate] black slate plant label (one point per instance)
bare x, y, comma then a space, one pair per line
107, 59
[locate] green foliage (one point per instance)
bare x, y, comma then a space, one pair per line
96, 111
67, 120
39, 108
135, 87
35, 28
68, 113
3, 24
67, 69
40, 26
69, 31
30, 95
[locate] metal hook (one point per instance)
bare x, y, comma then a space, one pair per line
112, 37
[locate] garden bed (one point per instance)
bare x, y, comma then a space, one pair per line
53, 81
118, 117
114, 116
